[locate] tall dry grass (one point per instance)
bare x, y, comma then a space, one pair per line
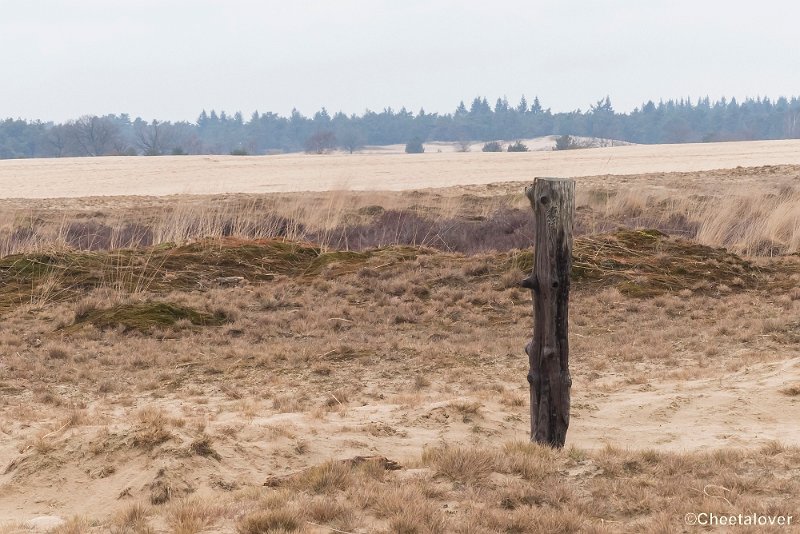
752, 225
748, 222
741, 220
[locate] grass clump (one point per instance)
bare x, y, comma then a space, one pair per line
202, 446
152, 428
467, 465
191, 516
75, 525
132, 520
325, 478
271, 521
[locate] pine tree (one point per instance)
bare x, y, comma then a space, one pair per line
522, 107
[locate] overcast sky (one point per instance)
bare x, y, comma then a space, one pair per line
170, 59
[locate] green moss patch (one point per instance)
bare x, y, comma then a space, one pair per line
143, 316
646, 263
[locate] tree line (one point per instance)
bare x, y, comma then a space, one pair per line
672, 121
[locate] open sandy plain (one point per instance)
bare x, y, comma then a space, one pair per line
81, 177
222, 377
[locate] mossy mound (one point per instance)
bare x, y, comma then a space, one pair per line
64, 275
641, 263
646, 263
144, 316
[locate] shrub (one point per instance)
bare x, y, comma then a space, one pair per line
566, 142
492, 146
415, 146
321, 142
238, 152
517, 147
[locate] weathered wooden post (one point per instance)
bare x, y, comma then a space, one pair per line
553, 203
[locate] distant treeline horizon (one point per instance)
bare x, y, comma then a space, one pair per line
671, 121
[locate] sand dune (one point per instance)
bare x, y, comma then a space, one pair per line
79, 177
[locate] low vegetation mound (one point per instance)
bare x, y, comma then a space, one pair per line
143, 316
41, 278
646, 263
641, 263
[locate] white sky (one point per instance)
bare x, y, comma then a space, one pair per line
169, 59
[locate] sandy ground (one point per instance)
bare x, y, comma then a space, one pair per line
744, 409
79, 177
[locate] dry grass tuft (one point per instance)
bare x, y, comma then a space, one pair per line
286, 403
58, 353
328, 477
132, 520
408, 510
328, 511
277, 521
461, 464
192, 515
791, 391
530, 461
75, 525
151, 429
202, 446
466, 408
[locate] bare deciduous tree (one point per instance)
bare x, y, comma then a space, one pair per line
93, 135
58, 139
351, 140
153, 139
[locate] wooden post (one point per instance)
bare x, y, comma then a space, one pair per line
553, 203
